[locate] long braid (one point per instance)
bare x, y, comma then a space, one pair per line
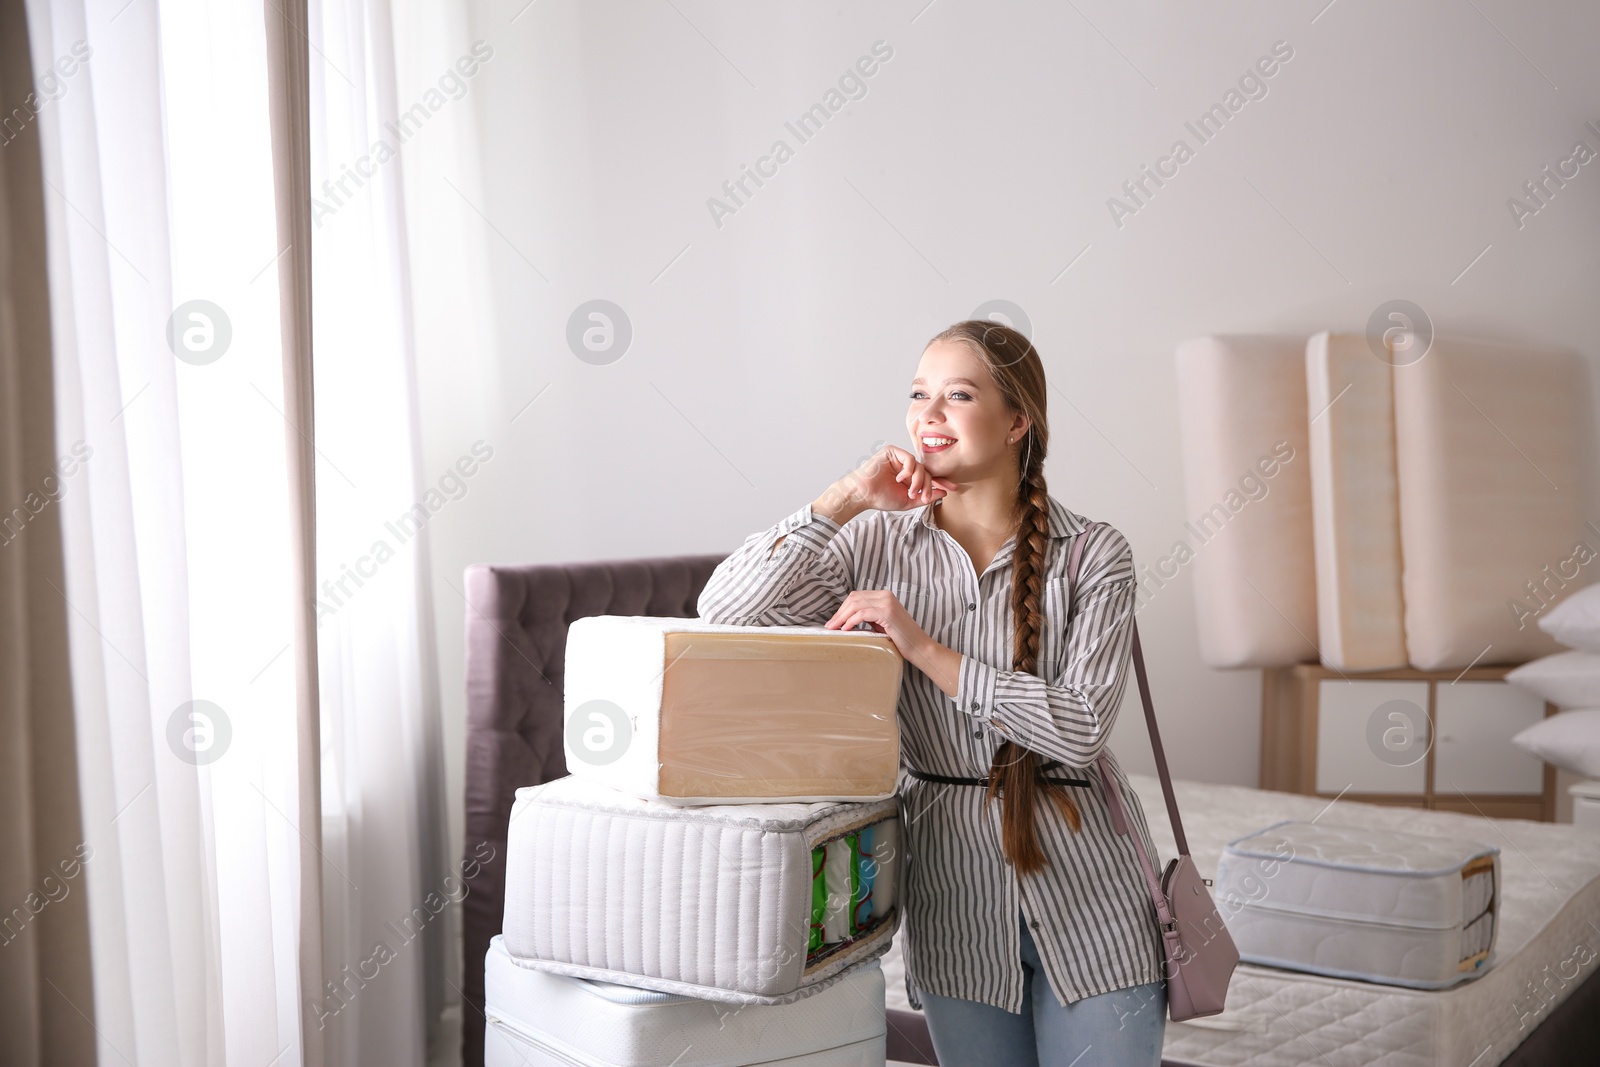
1015, 769
1014, 772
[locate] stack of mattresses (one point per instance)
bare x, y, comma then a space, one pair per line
715, 880
1376, 509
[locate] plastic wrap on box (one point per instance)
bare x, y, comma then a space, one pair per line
694, 712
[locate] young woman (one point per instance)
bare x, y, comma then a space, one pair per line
1030, 937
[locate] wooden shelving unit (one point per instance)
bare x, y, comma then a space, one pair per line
1411, 738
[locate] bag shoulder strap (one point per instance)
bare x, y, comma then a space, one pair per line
1073, 561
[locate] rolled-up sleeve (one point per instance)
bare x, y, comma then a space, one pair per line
802, 584
1070, 717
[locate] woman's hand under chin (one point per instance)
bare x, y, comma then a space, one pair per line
893, 480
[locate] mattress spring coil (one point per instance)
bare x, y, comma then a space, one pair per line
834, 947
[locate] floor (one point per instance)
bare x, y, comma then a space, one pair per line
447, 1050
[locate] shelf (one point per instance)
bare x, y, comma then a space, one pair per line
1405, 737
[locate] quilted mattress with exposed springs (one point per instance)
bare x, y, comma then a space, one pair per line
745, 903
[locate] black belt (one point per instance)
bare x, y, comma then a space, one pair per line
947, 779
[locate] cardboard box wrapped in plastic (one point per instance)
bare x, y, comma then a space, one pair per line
700, 713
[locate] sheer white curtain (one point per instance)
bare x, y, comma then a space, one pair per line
168, 357
389, 891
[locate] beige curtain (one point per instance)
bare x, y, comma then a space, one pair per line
290, 94
46, 987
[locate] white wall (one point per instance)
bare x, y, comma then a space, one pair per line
777, 348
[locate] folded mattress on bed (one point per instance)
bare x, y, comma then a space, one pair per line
536, 1018
1547, 945
751, 903
1358, 902
697, 712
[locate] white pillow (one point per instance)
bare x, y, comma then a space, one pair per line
1569, 740
1575, 622
1566, 679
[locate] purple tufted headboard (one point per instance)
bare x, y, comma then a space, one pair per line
517, 619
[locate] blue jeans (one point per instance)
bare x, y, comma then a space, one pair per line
1123, 1027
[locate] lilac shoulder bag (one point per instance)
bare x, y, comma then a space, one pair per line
1200, 953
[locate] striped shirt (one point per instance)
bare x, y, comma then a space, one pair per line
1089, 910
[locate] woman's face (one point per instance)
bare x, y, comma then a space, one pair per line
958, 421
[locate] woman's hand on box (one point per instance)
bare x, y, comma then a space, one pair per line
882, 612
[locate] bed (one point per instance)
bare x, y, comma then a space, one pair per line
1548, 944
1535, 1006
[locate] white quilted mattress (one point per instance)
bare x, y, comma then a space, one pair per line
535, 1019
1549, 927
711, 902
1361, 902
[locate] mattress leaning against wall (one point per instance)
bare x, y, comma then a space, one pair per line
1495, 447
1355, 505
1247, 492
